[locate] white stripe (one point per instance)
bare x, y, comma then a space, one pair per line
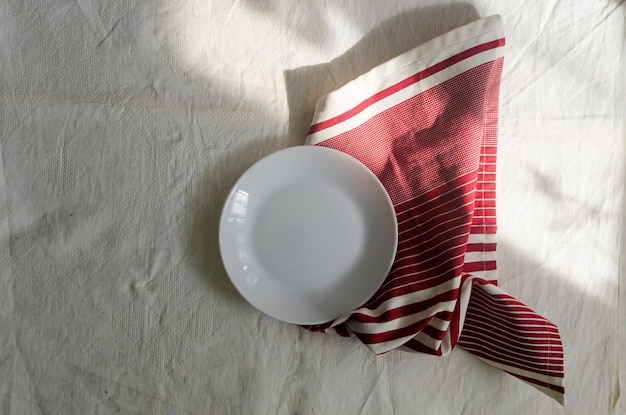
431, 200
490, 288
439, 323
446, 344
464, 297
466, 288
522, 352
404, 321
395, 70
480, 256
489, 275
510, 308
559, 397
509, 303
477, 238
521, 339
527, 322
553, 380
543, 335
411, 298
342, 318
424, 271
430, 258
402, 95
427, 341
420, 281
525, 368
434, 237
439, 215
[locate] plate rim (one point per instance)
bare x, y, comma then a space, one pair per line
358, 165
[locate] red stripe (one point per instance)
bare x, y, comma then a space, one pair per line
405, 83
452, 248
372, 338
481, 247
522, 341
484, 230
557, 388
406, 285
429, 227
455, 229
422, 348
434, 332
431, 265
485, 149
404, 310
482, 212
500, 328
485, 186
461, 208
451, 268
479, 266
536, 355
342, 330
486, 194
548, 370
503, 298
451, 227
414, 244
433, 241
319, 327
412, 285
434, 199
418, 274
482, 298
476, 324
444, 315
490, 308
481, 221
479, 203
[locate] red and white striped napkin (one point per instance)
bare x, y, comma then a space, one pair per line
426, 123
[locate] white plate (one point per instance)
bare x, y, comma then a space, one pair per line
307, 234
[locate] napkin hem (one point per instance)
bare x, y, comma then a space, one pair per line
422, 56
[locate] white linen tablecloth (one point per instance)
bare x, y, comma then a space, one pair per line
123, 125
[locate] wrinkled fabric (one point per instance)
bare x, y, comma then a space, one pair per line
426, 124
123, 125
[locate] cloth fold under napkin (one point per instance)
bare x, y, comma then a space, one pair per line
426, 124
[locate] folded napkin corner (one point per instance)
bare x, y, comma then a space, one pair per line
426, 124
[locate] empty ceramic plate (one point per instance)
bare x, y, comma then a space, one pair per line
308, 234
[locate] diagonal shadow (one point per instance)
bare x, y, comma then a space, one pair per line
306, 85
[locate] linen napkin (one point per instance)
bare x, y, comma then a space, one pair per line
426, 124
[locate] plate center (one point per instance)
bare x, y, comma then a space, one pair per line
309, 235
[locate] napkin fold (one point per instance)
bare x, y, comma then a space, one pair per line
426, 123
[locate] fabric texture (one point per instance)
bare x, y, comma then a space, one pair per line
125, 123
426, 123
